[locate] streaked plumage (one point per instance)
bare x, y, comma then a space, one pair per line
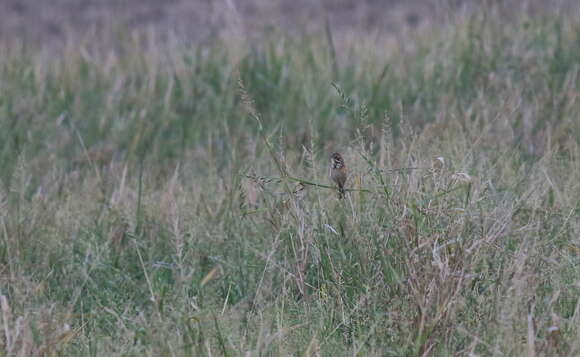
338, 173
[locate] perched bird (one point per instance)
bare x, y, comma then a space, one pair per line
338, 173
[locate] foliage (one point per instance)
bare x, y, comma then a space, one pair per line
148, 204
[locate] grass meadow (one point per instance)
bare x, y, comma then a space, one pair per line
160, 199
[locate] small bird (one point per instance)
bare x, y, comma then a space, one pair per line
338, 173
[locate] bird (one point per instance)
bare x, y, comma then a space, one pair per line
338, 173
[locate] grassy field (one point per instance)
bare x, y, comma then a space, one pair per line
150, 198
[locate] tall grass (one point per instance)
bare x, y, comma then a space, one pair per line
144, 210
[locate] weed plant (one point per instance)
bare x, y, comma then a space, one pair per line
150, 197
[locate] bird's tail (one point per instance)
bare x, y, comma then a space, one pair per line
340, 192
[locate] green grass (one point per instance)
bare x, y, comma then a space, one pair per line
146, 203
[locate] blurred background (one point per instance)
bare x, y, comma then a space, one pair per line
52, 23
146, 151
